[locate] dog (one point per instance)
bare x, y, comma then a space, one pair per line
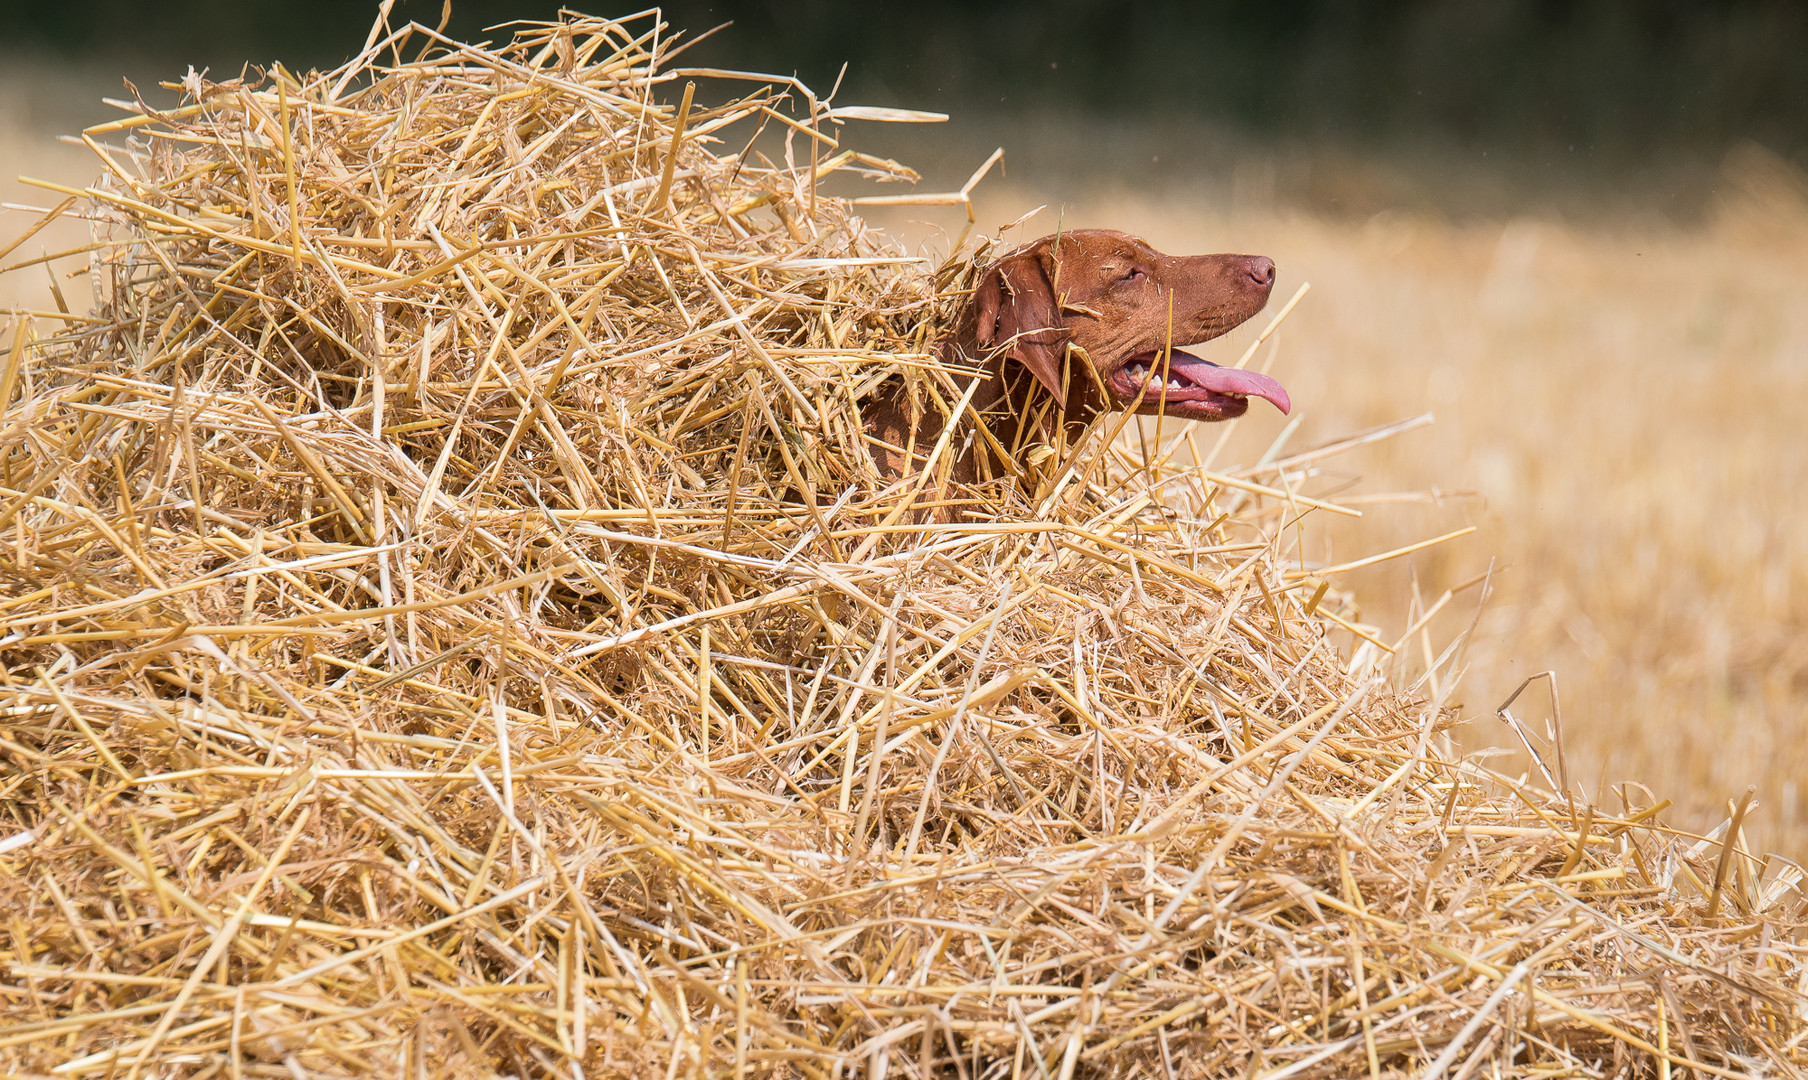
1075, 325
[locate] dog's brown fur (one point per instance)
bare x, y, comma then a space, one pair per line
1062, 326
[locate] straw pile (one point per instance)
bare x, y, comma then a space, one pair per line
452, 625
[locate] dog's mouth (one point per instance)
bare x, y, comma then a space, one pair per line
1193, 389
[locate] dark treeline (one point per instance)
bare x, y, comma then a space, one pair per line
1619, 80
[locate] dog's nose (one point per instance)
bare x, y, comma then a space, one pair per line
1261, 270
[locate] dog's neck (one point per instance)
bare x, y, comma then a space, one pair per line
1017, 411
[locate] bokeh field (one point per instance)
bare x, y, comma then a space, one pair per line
1619, 408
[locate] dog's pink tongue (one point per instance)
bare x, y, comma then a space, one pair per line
1226, 380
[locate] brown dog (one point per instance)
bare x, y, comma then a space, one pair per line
1078, 324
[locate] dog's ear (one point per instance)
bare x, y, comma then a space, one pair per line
1019, 316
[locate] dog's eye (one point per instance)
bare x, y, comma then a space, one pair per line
1135, 273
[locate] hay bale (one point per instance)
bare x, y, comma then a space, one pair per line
454, 624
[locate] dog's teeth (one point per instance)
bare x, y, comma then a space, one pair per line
1174, 384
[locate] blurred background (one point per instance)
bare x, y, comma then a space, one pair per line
1576, 233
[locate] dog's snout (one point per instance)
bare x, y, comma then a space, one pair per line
1261, 270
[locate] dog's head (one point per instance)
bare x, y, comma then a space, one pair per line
1125, 309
